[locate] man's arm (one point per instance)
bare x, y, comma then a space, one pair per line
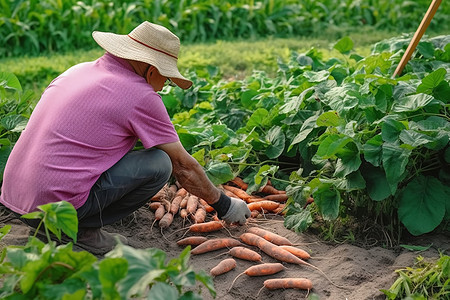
192, 177
190, 173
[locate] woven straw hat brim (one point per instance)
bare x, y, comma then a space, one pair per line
125, 47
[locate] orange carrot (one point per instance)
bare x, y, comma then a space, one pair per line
277, 197
270, 236
277, 252
260, 270
288, 283
254, 199
173, 189
183, 202
297, 251
181, 192
230, 194
280, 209
192, 240
154, 205
270, 248
240, 183
183, 213
159, 213
269, 205
268, 189
245, 253
208, 207
166, 220
237, 191
206, 227
224, 266
192, 203
200, 214
175, 205
254, 214
215, 244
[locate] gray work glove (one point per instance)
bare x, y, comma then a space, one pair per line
237, 213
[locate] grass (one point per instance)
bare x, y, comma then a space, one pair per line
235, 59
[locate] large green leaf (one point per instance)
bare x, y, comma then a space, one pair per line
60, 216
422, 204
15, 123
395, 160
258, 118
219, 173
163, 291
10, 81
376, 183
412, 103
342, 98
4, 231
327, 199
390, 130
297, 218
329, 118
344, 45
331, 145
431, 81
277, 140
372, 150
111, 270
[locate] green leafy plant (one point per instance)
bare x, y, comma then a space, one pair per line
341, 130
426, 280
15, 110
41, 270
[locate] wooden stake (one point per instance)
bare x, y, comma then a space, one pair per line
417, 36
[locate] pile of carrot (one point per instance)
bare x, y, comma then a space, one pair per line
173, 200
272, 244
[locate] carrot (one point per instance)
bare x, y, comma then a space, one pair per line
266, 204
206, 227
192, 240
183, 202
224, 266
288, 283
208, 207
173, 188
270, 236
280, 209
237, 191
260, 270
159, 213
175, 205
254, 214
277, 252
230, 194
200, 215
160, 194
254, 199
297, 251
183, 213
215, 244
268, 189
240, 183
154, 205
181, 192
192, 204
245, 253
277, 197
166, 220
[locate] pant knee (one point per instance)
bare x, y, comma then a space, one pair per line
162, 164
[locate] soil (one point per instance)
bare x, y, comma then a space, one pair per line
361, 271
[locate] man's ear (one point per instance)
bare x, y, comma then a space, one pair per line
150, 73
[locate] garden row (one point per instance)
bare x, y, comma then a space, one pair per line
31, 26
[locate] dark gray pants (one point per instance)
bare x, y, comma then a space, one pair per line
123, 188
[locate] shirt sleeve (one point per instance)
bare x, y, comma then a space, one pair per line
151, 123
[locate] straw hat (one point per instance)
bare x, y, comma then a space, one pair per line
149, 43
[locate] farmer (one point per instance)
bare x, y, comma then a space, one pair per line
78, 143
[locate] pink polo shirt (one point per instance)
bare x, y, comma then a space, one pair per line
87, 119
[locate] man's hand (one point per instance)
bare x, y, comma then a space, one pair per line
237, 213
